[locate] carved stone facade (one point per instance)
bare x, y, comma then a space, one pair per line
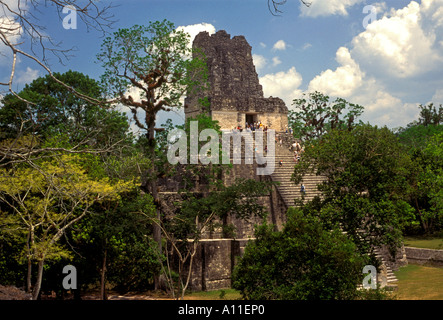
235, 94
236, 97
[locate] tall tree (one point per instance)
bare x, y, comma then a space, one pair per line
315, 115
422, 141
46, 201
156, 60
71, 123
425, 181
429, 114
307, 260
365, 191
114, 244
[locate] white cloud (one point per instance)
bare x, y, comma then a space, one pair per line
24, 77
263, 45
259, 61
437, 98
381, 107
399, 46
8, 19
349, 82
380, 8
327, 7
10, 28
279, 45
276, 61
306, 46
284, 85
392, 66
12, 32
343, 81
195, 29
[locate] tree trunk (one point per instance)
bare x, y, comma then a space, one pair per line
30, 244
103, 294
150, 122
38, 282
28, 277
424, 224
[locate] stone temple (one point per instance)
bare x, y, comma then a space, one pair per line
236, 98
235, 94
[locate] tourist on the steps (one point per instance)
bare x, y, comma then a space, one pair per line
302, 189
280, 163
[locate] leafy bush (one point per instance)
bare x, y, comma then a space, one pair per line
303, 261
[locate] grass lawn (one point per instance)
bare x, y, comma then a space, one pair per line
428, 243
223, 294
416, 282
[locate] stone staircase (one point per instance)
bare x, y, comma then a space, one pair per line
283, 174
387, 272
289, 191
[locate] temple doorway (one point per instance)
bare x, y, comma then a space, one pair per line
251, 118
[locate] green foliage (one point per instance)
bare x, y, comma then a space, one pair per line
57, 111
115, 232
315, 115
422, 141
12, 264
211, 173
427, 187
365, 190
239, 199
155, 59
430, 115
417, 136
43, 201
304, 261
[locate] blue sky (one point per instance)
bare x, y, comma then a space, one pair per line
389, 65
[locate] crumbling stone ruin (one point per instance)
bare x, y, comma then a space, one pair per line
236, 98
235, 94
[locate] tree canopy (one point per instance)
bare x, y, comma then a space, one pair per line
304, 261
316, 115
365, 190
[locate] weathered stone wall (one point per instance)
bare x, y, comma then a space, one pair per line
230, 64
235, 97
214, 263
235, 90
424, 256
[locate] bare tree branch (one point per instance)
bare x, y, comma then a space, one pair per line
20, 21
273, 5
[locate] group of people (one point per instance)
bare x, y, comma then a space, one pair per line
256, 126
298, 150
249, 127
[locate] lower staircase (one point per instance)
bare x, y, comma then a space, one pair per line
283, 174
289, 191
